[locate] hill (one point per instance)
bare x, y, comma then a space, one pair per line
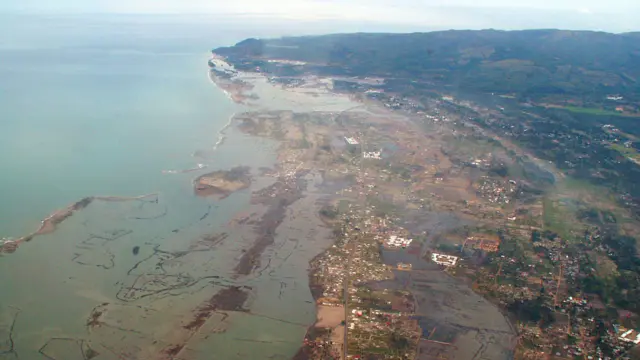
581, 67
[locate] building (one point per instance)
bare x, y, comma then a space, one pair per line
630, 336
395, 241
446, 260
372, 155
351, 141
486, 242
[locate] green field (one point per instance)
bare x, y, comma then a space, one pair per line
596, 111
625, 151
558, 218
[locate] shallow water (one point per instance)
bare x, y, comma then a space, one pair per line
101, 112
104, 111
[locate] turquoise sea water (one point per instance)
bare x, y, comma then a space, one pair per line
102, 109
96, 110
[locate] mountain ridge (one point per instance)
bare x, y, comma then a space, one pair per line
543, 64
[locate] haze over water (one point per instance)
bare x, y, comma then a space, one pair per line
103, 109
98, 110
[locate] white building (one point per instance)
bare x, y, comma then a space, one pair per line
396, 241
630, 336
446, 260
351, 141
372, 155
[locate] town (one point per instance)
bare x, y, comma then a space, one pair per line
430, 187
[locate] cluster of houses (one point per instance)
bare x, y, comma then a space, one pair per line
395, 241
351, 141
372, 155
445, 260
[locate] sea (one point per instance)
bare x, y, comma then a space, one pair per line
121, 106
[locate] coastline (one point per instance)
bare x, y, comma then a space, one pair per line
167, 263
222, 133
316, 293
290, 186
50, 223
218, 278
301, 133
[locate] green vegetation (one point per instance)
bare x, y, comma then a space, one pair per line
626, 151
597, 111
556, 219
532, 64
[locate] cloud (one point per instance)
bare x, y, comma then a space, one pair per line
613, 15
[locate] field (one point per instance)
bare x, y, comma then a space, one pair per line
595, 111
628, 152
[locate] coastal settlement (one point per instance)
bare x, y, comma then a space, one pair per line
418, 189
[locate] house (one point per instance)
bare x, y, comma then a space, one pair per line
446, 260
396, 241
372, 155
486, 242
630, 336
351, 141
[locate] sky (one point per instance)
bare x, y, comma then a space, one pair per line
609, 15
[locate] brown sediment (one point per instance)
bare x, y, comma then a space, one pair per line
229, 299
277, 197
223, 182
174, 350
9, 247
51, 222
94, 319
96, 315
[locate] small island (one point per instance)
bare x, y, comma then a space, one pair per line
223, 183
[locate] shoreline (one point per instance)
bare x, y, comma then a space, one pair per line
211, 78
316, 294
300, 144
222, 133
291, 187
50, 223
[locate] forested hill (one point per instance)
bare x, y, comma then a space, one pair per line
531, 63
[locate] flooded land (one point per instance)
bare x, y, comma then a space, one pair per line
254, 259
223, 183
366, 200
